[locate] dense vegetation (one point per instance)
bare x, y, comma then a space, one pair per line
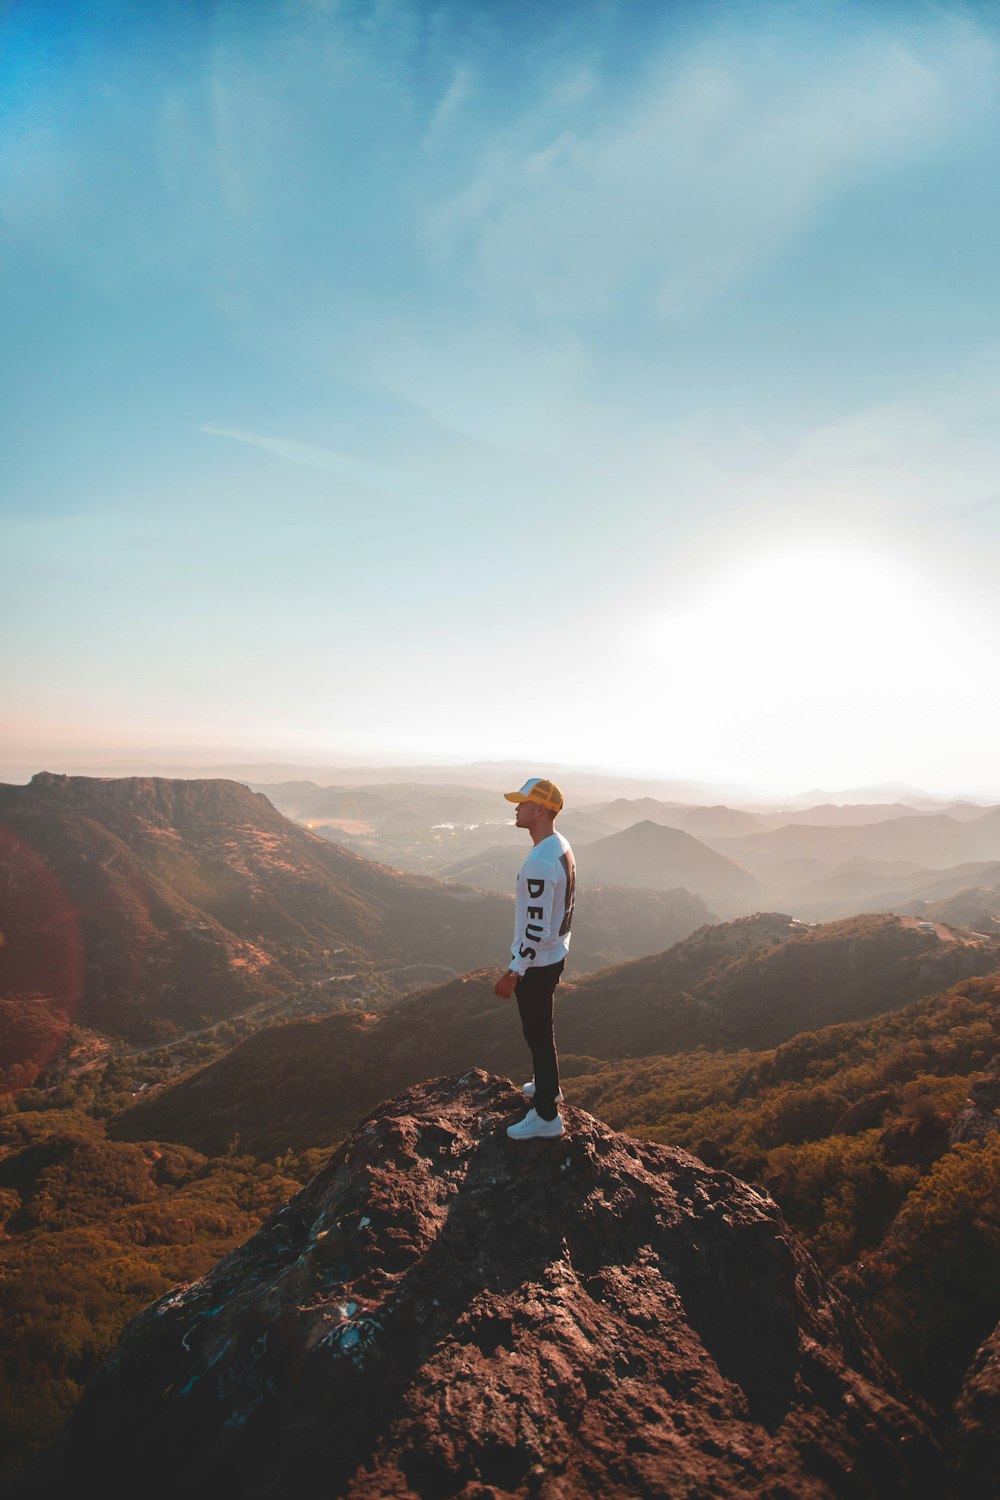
848, 1128
91, 1231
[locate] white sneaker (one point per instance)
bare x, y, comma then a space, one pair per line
533, 1126
528, 1090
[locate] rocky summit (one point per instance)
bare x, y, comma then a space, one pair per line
443, 1312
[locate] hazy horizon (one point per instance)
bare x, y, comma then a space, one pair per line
170, 760
594, 384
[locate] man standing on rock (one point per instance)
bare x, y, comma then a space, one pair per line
546, 888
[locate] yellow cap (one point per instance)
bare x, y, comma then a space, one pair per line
545, 793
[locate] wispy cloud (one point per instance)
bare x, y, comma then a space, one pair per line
719, 161
379, 477
447, 115
507, 387
298, 453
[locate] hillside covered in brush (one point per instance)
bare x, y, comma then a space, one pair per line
881, 1141
191, 900
755, 981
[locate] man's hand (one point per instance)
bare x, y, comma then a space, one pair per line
504, 986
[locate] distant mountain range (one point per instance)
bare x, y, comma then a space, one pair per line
728, 822
935, 841
713, 822
417, 827
820, 861
646, 856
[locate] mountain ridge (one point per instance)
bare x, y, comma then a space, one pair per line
709, 990
651, 854
198, 899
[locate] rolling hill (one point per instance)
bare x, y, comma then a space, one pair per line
648, 854
864, 886
935, 841
753, 982
714, 822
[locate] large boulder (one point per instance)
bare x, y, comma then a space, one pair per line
978, 1413
443, 1312
980, 1115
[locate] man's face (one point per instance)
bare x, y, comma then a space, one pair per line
526, 814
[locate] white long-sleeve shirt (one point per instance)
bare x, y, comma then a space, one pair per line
543, 914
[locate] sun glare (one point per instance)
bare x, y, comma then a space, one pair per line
803, 656
807, 609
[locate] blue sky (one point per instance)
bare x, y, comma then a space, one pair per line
603, 383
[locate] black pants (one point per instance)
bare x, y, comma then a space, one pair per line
535, 993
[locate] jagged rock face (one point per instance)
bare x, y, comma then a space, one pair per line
981, 1114
443, 1312
978, 1413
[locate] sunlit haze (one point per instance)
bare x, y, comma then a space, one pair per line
599, 384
